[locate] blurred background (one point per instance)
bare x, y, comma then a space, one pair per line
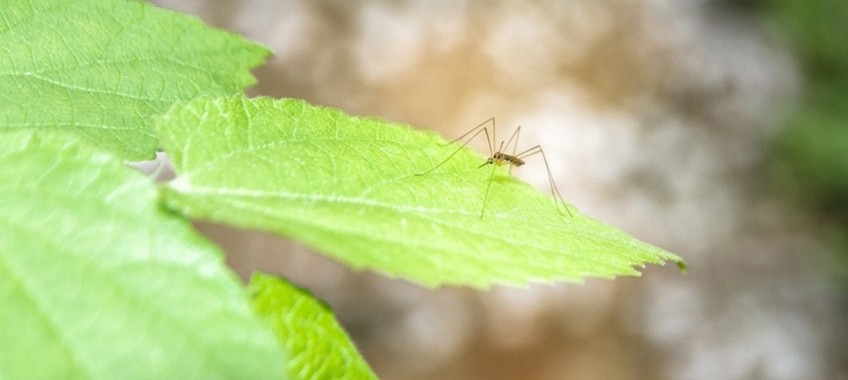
716, 129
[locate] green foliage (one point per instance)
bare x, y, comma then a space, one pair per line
103, 68
96, 282
318, 347
813, 158
818, 30
812, 151
348, 187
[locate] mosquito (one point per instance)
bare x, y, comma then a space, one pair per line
499, 158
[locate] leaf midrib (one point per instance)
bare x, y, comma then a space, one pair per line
230, 194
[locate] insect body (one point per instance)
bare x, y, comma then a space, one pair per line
499, 158
502, 158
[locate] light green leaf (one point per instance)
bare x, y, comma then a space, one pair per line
101, 68
318, 347
97, 282
348, 187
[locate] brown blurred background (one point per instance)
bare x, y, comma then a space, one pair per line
668, 119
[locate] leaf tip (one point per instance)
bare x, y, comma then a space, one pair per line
682, 266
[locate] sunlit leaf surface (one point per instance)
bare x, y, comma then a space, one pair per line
97, 282
348, 187
102, 68
317, 346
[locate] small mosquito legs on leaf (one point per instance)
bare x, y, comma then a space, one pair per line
499, 157
474, 132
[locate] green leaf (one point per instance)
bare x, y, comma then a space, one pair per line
317, 345
101, 68
347, 186
97, 282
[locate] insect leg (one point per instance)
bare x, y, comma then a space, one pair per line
554, 190
472, 130
478, 130
515, 135
488, 186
